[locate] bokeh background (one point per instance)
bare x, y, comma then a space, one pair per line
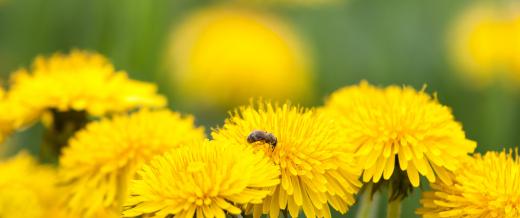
337, 42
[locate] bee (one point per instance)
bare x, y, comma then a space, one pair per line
262, 136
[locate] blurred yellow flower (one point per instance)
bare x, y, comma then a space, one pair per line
292, 2
12, 115
317, 168
26, 188
100, 160
485, 42
485, 186
5, 122
80, 81
223, 56
202, 179
515, 47
399, 125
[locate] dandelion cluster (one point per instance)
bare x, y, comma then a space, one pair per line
485, 186
122, 153
100, 160
202, 179
399, 128
315, 160
62, 90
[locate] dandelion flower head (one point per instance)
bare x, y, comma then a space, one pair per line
399, 126
5, 121
484, 42
485, 186
236, 54
12, 115
26, 188
101, 160
202, 179
307, 3
80, 81
317, 167
515, 45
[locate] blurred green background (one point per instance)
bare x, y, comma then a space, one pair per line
384, 42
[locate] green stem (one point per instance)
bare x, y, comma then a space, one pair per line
394, 209
369, 203
285, 213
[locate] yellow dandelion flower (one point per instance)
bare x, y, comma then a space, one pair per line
399, 125
308, 3
100, 160
515, 47
80, 81
26, 188
317, 168
226, 51
485, 186
478, 44
483, 42
12, 115
5, 121
203, 179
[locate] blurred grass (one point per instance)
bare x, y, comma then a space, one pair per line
385, 42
